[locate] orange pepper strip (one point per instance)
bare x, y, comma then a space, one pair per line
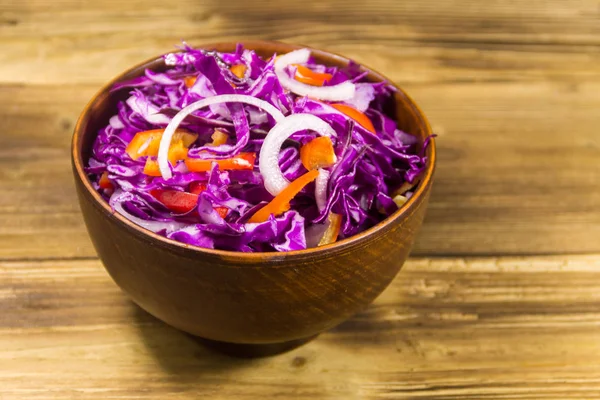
317, 153
356, 115
104, 182
241, 161
219, 138
333, 230
238, 70
151, 167
146, 143
177, 152
189, 81
310, 77
281, 202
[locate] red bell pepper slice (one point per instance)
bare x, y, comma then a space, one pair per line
199, 187
179, 202
104, 182
239, 162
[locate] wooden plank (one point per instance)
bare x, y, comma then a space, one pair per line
39, 213
67, 40
518, 170
446, 328
513, 90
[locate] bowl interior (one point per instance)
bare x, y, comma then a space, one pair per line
104, 105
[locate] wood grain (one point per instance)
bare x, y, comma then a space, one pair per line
93, 41
511, 87
447, 328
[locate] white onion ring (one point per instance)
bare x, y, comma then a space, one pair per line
165, 142
268, 161
321, 188
339, 92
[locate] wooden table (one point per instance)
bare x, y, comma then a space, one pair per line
501, 298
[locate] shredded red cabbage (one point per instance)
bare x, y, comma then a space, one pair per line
369, 168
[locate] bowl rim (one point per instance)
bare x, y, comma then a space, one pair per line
406, 210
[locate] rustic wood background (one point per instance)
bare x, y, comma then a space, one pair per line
502, 296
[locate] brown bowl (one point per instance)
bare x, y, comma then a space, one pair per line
248, 298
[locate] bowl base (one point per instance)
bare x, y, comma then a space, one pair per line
243, 350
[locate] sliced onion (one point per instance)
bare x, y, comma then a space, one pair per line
115, 122
406, 186
165, 142
314, 233
333, 230
321, 189
339, 92
400, 200
154, 226
268, 161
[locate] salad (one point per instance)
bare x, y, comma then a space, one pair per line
236, 152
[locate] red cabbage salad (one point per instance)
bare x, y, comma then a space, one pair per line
235, 152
